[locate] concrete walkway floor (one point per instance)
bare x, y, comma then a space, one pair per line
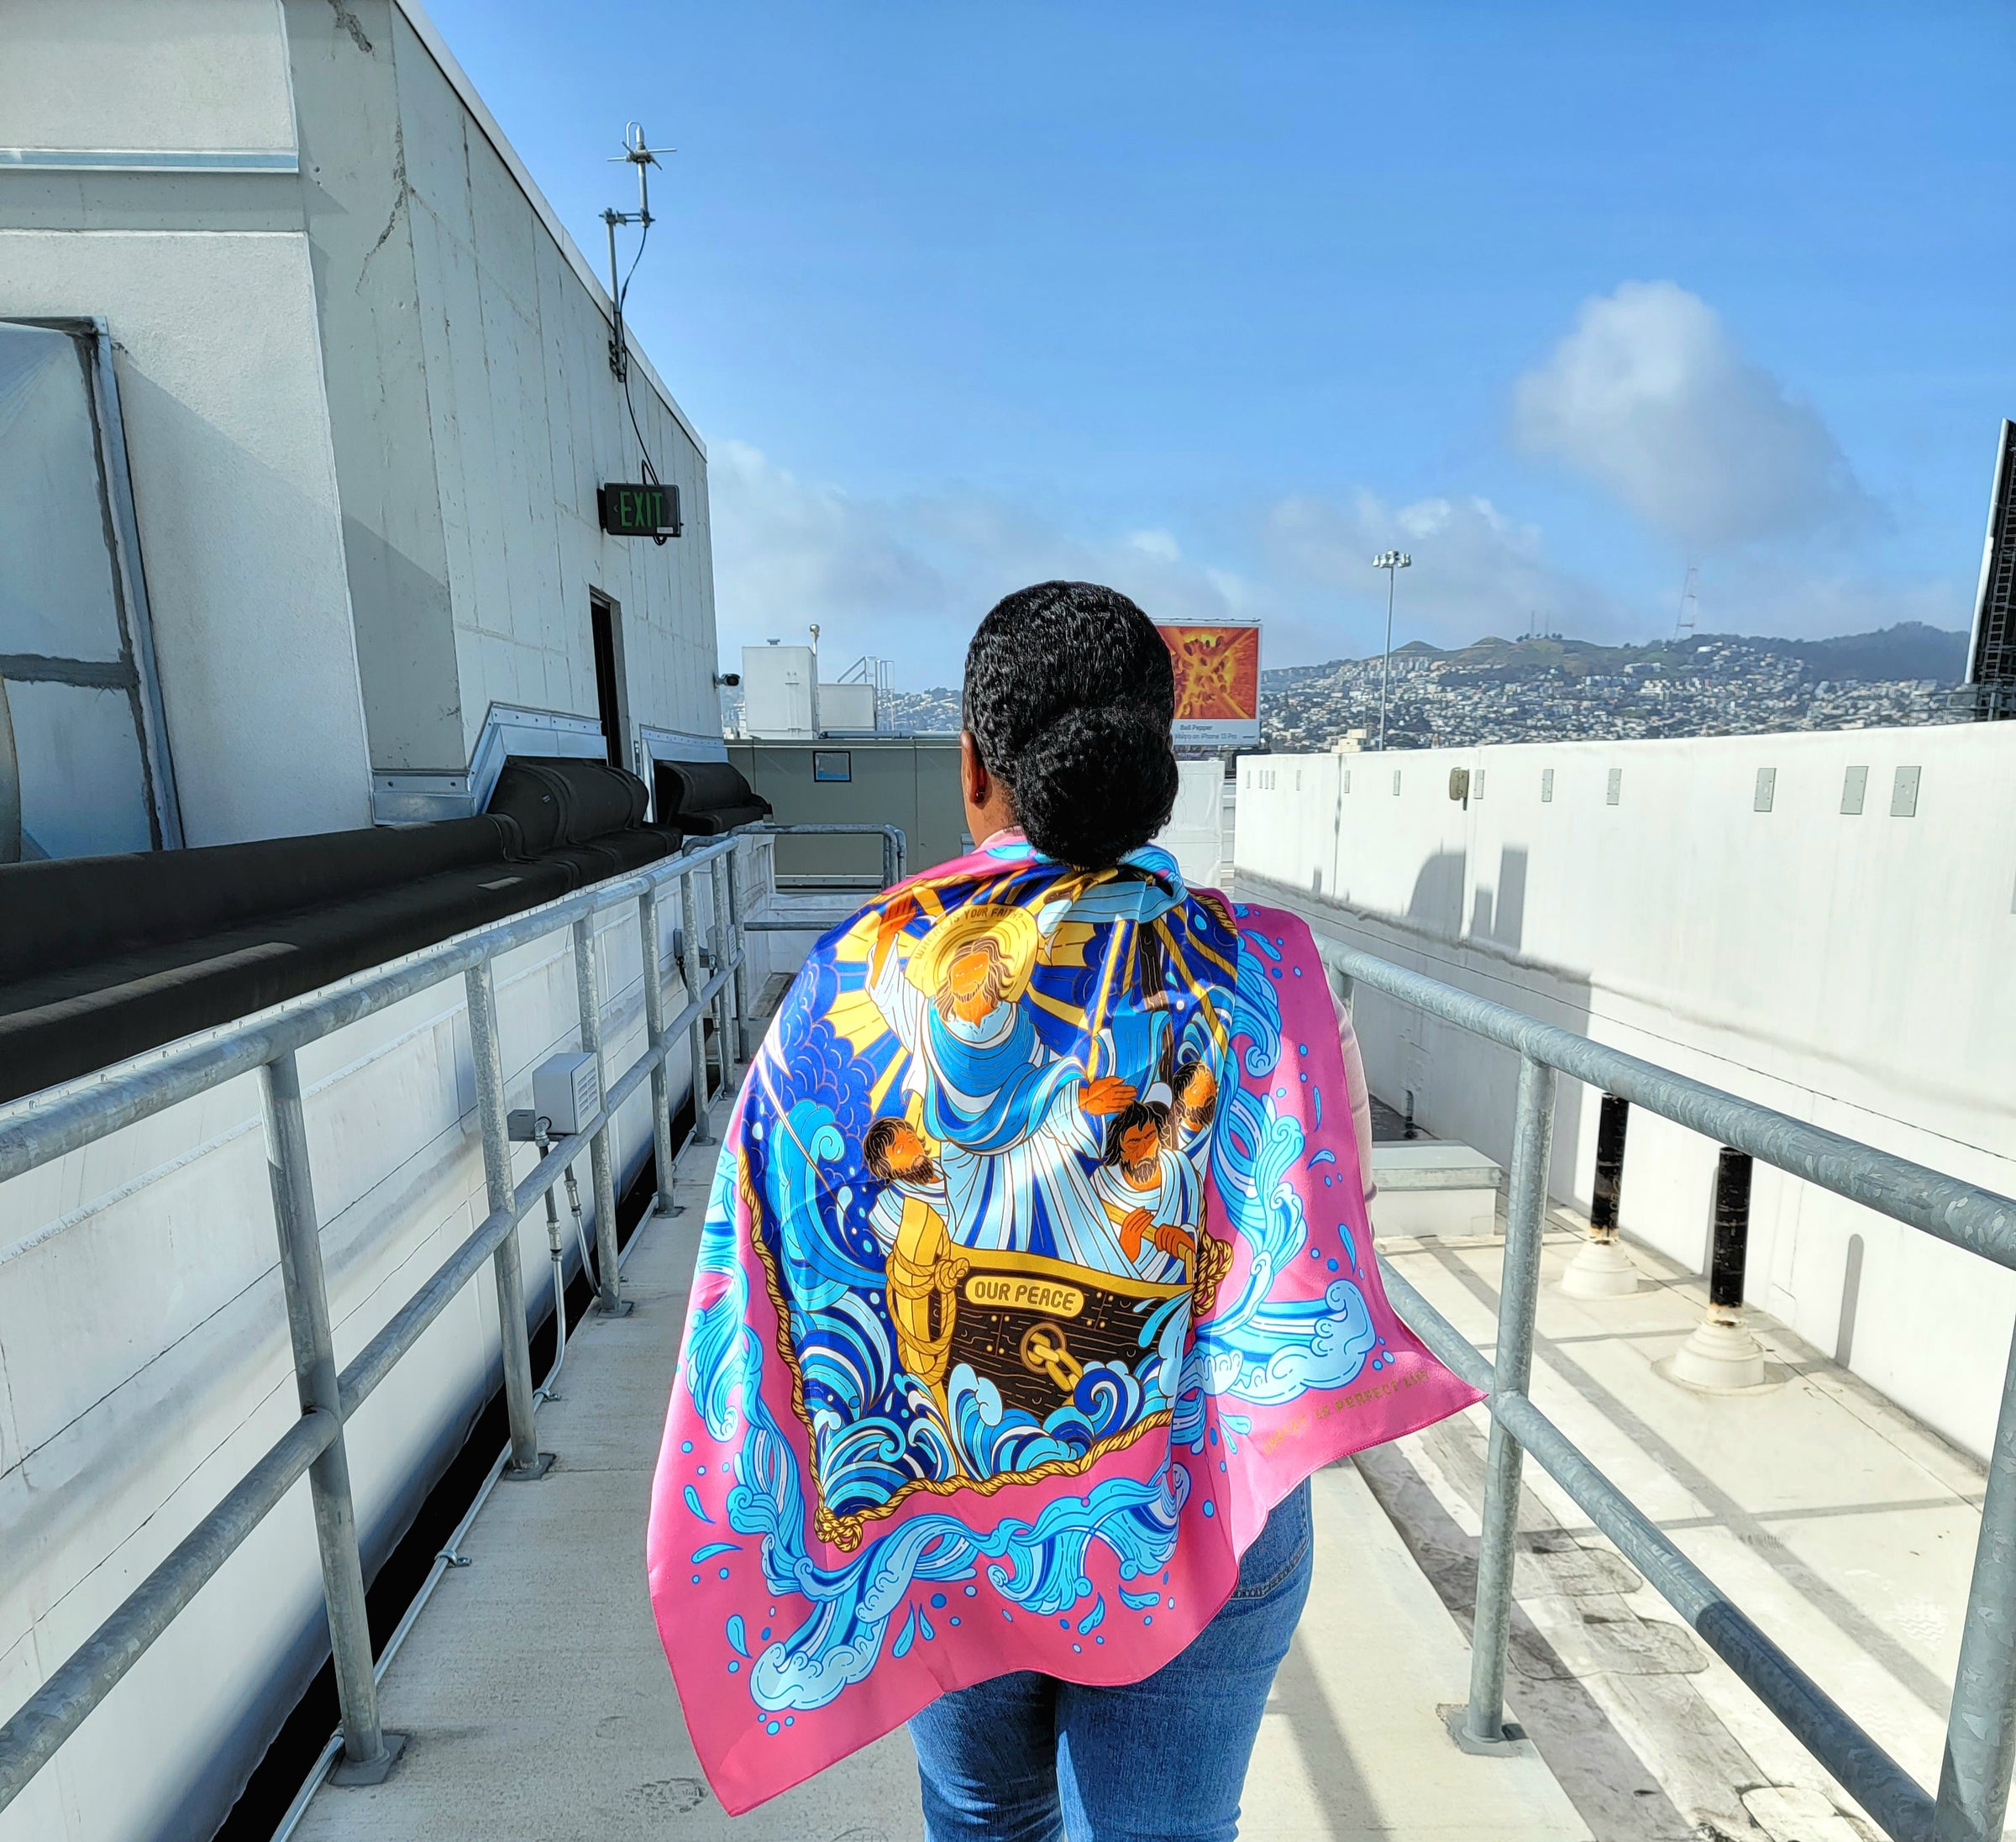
1841, 1525
540, 1707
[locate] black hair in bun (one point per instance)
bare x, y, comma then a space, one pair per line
1070, 693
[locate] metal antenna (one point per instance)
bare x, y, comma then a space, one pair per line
635, 154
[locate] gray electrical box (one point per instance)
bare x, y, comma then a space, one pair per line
566, 1092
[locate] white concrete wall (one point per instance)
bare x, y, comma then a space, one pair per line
100, 75
145, 1366
530, 421
1851, 970
454, 310
1196, 833
368, 407
143, 1350
221, 388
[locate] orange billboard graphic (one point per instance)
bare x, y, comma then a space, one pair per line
1217, 682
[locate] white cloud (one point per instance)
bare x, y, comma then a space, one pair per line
1647, 392
1756, 594
909, 577
1651, 396
1475, 570
787, 553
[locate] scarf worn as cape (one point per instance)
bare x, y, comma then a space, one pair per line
1036, 1271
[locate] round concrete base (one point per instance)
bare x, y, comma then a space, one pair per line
1720, 1357
1601, 1269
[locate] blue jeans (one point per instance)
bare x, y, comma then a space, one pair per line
1027, 1758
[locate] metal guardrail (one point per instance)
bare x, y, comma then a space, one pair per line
1981, 1730
895, 851
80, 1113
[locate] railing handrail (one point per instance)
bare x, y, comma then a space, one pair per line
895, 845
34, 1132
1981, 1733
1981, 1221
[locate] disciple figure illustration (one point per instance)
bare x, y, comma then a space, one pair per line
1151, 1192
1193, 1106
896, 1157
923, 1272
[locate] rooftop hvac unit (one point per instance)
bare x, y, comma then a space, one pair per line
848, 708
780, 692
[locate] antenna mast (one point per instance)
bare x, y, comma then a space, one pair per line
636, 154
1685, 624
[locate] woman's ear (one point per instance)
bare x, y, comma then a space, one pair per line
974, 781
988, 808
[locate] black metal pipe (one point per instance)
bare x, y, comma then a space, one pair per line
1731, 1250
1607, 1191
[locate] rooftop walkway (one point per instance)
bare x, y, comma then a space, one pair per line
1841, 1524
540, 1707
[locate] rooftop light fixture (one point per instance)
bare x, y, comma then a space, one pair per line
1391, 561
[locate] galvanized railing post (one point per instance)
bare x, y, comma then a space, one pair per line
1483, 1722
1980, 1729
368, 1751
717, 887
696, 1040
734, 941
588, 989
527, 1462
654, 1033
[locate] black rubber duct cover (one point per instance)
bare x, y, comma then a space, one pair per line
705, 798
102, 958
557, 801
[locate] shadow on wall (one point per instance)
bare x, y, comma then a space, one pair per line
1437, 901
1456, 1084
1851, 1299
1498, 913
1501, 913
283, 671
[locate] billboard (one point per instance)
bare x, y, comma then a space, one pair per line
1217, 683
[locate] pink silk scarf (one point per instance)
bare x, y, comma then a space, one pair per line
1036, 1271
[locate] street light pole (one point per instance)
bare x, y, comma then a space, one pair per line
1391, 561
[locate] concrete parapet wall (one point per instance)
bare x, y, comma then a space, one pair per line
1708, 905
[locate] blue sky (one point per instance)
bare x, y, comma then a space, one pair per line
1215, 302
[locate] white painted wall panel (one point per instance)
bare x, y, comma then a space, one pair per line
234, 490
1851, 970
529, 422
219, 81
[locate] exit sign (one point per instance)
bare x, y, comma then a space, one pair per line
644, 511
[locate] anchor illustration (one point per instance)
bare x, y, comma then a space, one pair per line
1045, 1351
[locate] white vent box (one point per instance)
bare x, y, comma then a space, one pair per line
846, 709
1429, 1186
566, 1092
781, 693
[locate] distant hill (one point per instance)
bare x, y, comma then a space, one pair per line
1283, 676
1912, 650
1908, 651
